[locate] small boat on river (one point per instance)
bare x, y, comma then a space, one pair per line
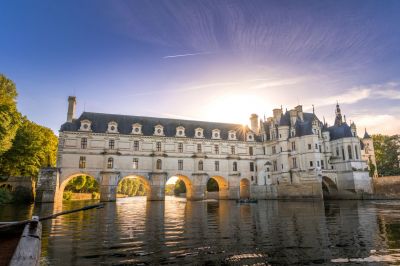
246, 201
20, 243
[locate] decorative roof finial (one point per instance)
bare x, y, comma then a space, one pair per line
313, 110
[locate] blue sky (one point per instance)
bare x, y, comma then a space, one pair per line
207, 60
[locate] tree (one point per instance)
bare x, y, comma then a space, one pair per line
9, 116
34, 147
212, 185
387, 154
179, 187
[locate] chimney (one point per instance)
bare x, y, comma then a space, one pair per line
277, 114
71, 108
254, 123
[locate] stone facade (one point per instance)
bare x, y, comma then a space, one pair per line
290, 155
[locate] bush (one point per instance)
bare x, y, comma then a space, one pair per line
67, 195
95, 195
5, 196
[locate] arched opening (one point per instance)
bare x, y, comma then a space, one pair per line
244, 188
133, 186
329, 188
178, 186
217, 188
80, 187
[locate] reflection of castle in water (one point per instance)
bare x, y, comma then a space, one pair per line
171, 231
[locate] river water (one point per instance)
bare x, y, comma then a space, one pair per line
134, 231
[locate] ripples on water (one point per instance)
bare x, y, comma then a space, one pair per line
134, 231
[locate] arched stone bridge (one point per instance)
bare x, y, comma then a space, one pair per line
52, 182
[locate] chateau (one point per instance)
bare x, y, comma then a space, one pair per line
287, 156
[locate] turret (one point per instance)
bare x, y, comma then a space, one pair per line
254, 123
353, 129
71, 108
338, 119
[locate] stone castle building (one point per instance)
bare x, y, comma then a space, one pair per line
289, 155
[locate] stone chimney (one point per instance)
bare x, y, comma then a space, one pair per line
277, 114
299, 110
254, 123
293, 116
71, 108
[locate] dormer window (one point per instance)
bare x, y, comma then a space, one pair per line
293, 133
216, 134
112, 127
85, 125
180, 131
137, 129
199, 133
250, 136
159, 130
232, 135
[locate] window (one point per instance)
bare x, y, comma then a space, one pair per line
250, 150
136, 145
234, 166
318, 163
251, 167
180, 147
135, 163
200, 166
343, 156
309, 146
273, 149
82, 162
311, 163
158, 146
216, 149
264, 150
294, 162
356, 151
111, 144
293, 146
159, 164
216, 164
316, 146
280, 136
232, 149
322, 164
110, 163
199, 148
275, 164
83, 143
350, 152
337, 151
180, 164
320, 148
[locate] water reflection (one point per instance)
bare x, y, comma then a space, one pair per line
134, 231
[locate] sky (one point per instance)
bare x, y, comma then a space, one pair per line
205, 60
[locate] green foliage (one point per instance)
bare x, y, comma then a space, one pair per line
212, 185
169, 189
82, 184
67, 195
371, 168
9, 115
131, 187
34, 147
386, 154
23, 195
5, 195
179, 187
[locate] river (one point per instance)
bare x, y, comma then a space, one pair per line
134, 231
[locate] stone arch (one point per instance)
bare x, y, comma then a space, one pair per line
144, 180
244, 188
223, 187
329, 187
64, 183
188, 184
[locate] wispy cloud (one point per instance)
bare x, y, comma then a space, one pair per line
184, 55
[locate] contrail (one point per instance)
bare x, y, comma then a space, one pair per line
182, 55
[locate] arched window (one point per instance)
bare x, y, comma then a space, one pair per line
159, 164
200, 165
110, 163
234, 168
350, 152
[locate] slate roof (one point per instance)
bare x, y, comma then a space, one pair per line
340, 131
366, 135
99, 124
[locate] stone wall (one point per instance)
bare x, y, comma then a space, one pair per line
386, 187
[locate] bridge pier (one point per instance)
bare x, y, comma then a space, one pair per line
48, 185
157, 189
199, 186
108, 185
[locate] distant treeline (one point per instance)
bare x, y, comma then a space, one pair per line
387, 152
